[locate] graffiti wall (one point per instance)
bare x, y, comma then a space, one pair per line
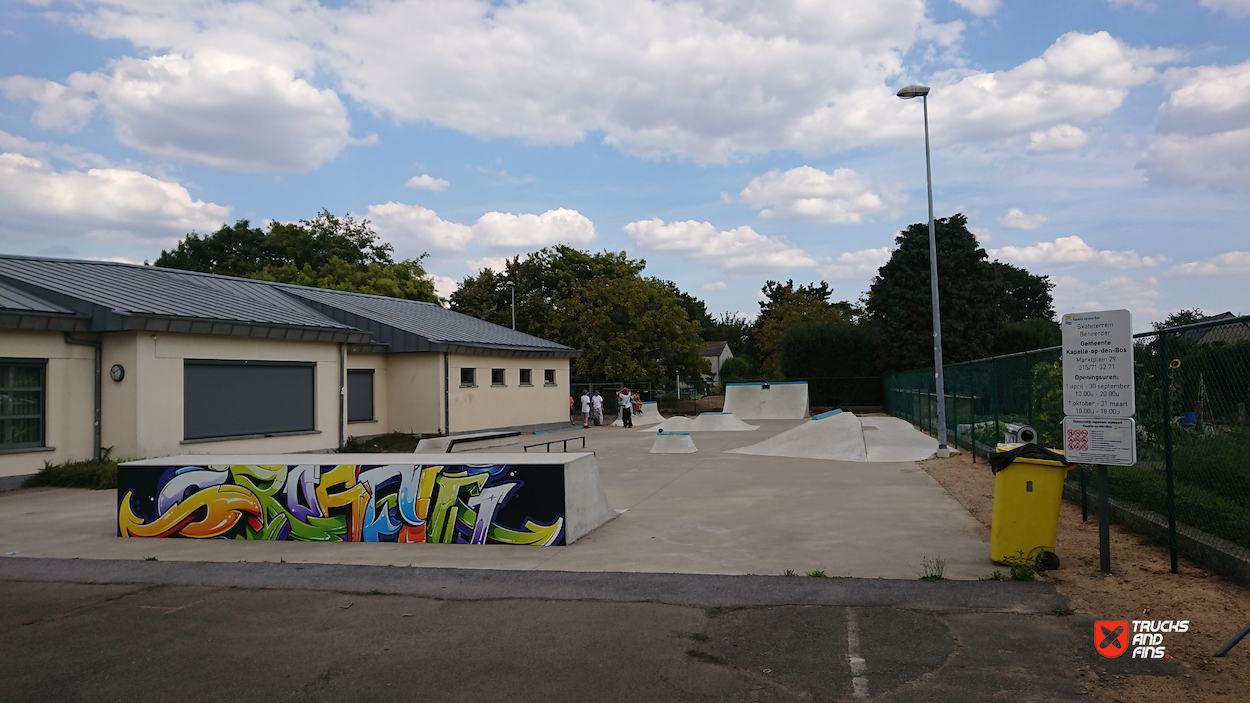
449, 504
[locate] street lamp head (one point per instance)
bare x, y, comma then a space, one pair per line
913, 91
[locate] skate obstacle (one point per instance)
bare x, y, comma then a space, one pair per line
486, 498
673, 443
783, 400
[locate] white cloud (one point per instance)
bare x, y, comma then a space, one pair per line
505, 230
426, 182
498, 264
718, 285
1074, 294
1016, 219
1074, 250
1135, 4
75, 156
102, 204
65, 108
1230, 263
851, 265
1078, 78
810, 194
740, 249
1236, 8
980, 8
1061, 137
444, 286
414, 228
1204, 129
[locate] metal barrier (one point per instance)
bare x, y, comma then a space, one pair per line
565, 441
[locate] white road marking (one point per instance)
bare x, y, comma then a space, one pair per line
859, 668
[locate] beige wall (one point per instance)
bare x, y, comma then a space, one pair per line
143, 413
69, 399
415, 396
487, 406
381, 409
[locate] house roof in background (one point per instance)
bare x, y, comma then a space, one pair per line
713, 349
118, 296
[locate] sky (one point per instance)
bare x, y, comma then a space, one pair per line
1102, 143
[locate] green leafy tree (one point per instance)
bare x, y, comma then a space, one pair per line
338, 253
1180, 317
784, 306
628, 326
1023, 296
732, 329
1027, 335
737, 368
827, 349
900, 300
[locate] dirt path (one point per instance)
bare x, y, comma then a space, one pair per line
1140, 586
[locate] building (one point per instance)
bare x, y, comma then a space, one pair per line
152, 362
716, 354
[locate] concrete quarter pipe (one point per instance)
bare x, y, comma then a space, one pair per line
783, 400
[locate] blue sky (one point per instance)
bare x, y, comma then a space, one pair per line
1105, 143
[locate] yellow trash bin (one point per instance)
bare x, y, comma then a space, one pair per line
1028, 488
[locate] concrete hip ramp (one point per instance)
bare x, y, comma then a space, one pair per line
650, 415
673, 443
705, 422
845, 437
783, 400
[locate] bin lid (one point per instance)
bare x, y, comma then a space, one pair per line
1029, 453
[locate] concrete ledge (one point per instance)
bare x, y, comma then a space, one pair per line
1224, 557
483, 584
465, 442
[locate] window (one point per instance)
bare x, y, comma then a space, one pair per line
468, 377
240, 398
497, 377
549, 377
21, 403
526, 377
360, 395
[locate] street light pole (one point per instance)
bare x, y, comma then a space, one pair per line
512, 286
922, 92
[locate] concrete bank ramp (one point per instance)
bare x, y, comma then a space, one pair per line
673, 443
650, 415
705, 422
784, 400
845, 437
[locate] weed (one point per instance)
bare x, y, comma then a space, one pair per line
1064, 611
715, 612
818, 574
934, 569
789, 572
1147, 541
98, 474
700, 637
375, 592
996, 576
1023, 568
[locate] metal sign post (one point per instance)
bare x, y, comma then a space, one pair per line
1099, 400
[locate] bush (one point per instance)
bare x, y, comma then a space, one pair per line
394, 442
97, 474
738, 368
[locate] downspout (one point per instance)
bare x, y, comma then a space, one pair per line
99, 354
342, 390
446, 395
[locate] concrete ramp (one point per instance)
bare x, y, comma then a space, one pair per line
783, 400
650, 415
673, 443
705, 422
844, 437
837, 437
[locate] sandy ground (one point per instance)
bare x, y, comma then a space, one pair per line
1140, 586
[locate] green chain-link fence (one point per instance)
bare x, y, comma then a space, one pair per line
1193, 386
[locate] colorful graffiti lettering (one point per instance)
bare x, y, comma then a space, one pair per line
465, 504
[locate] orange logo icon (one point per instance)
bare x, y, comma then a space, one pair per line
1111, 637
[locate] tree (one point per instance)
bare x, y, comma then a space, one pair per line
1027, 335
783, 306
338, 253
1180, 317
732, 329
901, 303
628, 326
827, 349
1023, 296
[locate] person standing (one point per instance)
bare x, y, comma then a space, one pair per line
585, 410
625, 398
596, 409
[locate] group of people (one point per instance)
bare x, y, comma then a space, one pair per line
627, 403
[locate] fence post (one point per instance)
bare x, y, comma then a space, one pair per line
994, 367
1167, 446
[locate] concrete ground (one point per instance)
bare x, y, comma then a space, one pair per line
703, 513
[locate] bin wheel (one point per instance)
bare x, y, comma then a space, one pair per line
1048, 561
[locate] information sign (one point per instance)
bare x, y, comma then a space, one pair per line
1098, 364
1097, 440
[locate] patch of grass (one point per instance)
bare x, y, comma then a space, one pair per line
96, 474
700, 637
391, 443
375, 592
1147, 541
789, 572
933, 569
1023, 568
1064, 612
818, 574
715, 612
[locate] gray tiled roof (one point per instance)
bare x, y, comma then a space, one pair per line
432, 322
14, 299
